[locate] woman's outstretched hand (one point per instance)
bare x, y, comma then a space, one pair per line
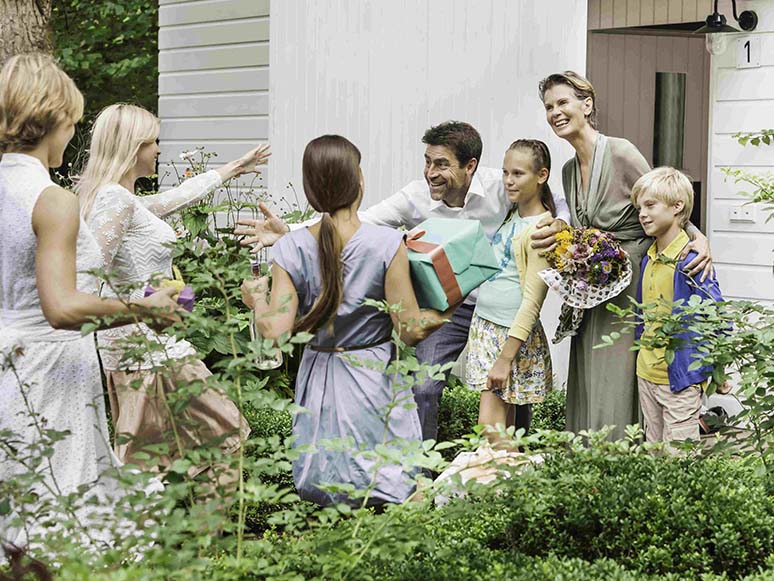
248, 163
544, 237
261, 232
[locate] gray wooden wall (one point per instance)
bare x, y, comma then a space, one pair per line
213, 76
605, 14
623, 69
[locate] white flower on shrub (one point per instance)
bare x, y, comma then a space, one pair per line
11, 346
201, 244
188, 155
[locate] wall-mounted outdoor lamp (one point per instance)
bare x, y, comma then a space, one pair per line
715, 25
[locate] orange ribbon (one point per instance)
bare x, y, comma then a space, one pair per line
440, 262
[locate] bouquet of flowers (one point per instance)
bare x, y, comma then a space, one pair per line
588, 267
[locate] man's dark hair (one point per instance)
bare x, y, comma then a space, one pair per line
461, 138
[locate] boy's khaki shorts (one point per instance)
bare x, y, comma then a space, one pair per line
668, 415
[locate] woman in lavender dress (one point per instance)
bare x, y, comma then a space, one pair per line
320, 278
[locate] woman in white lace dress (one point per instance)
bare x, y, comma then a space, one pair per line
49, 373
135, 246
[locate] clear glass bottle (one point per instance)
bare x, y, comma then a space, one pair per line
265, 360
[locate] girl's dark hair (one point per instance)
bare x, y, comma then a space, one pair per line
541, 158
331, 177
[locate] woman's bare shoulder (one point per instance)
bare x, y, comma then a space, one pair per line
56, 198
55, 207
622, 147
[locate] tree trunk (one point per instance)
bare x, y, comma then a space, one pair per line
24, 27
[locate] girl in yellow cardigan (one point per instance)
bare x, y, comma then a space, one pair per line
508, 356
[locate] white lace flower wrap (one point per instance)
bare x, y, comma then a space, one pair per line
578, 295
582, 295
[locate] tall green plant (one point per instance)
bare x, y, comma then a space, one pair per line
110, 49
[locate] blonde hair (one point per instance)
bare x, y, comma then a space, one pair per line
35, 97
580, 85
669, 186
117, 135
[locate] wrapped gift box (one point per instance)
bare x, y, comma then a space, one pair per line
448, 258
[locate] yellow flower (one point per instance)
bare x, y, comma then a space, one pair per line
175, 284
564, 235
561, 249
564, 240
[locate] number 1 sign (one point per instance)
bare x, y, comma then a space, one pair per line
748, 52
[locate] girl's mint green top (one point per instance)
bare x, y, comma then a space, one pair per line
499, 298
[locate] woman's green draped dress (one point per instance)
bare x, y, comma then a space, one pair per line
602, 383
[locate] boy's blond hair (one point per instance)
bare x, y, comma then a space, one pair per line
119, 132
667, 185
35, 96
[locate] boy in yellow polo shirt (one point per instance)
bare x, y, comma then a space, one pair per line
670, 394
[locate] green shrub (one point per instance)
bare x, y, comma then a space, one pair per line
588, 515
656, 515
498, 565
266, 422
585, 514
458, 412
551, 414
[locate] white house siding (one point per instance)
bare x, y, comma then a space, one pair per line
742, 100
381, 73
213, 77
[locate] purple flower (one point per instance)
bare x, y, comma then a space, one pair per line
591, 257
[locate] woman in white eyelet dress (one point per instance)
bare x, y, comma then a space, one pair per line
49, 377
59, 367
135, 246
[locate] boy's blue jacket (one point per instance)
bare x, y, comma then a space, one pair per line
684, 287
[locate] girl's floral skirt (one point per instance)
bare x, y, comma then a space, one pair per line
531, 374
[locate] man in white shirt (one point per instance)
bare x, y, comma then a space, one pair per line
453, 187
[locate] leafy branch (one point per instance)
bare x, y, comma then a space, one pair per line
763, 184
